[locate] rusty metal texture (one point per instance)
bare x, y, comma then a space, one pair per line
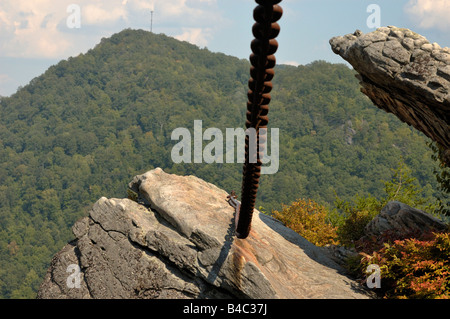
265, 30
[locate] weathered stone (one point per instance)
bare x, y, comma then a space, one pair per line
403, 73
408, 43
444, 72
395, 51
403, 220
178, 241
427, 47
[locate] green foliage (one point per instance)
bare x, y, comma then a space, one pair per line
355, 215
354, 222
414, 268
264, 211
442, 174
85, 127
403, 188
310, 220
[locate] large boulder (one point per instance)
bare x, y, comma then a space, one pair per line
176, 240
402, 221
404, 74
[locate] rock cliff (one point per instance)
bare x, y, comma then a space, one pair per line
175, 239
403, 73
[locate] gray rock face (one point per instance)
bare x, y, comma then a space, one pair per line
177, 241
404, 74
403, 220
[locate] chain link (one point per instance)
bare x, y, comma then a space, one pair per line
262, 59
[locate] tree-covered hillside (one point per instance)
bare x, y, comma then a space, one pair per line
85, 127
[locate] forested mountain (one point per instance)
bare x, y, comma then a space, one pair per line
85, 127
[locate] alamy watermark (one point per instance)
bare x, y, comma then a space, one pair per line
73, 280
73, 21
374, 279
374, 19
213, 152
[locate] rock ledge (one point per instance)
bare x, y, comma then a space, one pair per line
404, 74
177, 241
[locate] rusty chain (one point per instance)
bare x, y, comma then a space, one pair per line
265, 30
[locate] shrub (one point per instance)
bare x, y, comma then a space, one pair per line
354, 225
310, 220
414, 268
355, 217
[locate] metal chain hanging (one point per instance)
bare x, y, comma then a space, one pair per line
262, 60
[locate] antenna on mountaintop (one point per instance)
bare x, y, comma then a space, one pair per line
151, 21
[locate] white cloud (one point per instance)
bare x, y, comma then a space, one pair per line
28, 29
187, 13
39, 29
293, 63
104, 13
430, 13
196, 36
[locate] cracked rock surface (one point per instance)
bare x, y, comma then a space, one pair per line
176, 240
404, 74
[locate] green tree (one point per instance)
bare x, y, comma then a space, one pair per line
442, 174
403, 188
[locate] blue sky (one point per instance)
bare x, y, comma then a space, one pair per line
35, 34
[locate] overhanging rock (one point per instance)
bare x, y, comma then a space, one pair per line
404, 74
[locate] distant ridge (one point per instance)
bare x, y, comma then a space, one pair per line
90, 123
